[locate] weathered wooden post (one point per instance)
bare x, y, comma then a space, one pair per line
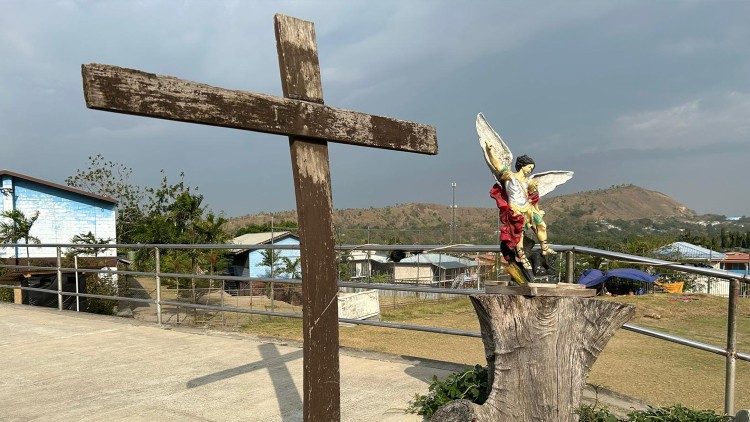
539, 349
310, 125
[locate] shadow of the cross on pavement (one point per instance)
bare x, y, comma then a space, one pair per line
290, 402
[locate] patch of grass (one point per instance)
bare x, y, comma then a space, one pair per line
287, 328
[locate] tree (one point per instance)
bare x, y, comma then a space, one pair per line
111, 179
343, 267
16, 227
209, 230
169, 213
270, 258
266, 227
291, 266
175, 214
88, 239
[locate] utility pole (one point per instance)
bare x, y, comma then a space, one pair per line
453, 211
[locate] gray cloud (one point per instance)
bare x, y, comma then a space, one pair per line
693, 124
619, 92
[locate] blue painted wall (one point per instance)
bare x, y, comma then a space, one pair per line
62, 215
255, 258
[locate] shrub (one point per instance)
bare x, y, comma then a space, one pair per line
100, 286
6, 295
594, 413
470, 385
676, 413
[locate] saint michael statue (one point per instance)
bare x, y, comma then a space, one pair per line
517, 194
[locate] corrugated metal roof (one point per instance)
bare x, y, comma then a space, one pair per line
440, 260
685, 250
362, 255
260, 238
57, 186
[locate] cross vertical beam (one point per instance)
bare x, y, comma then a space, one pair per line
300, 79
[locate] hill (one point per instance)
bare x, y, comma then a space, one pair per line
623, 202
431, 223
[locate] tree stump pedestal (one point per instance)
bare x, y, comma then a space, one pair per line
539, 350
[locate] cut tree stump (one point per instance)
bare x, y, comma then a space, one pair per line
539, 350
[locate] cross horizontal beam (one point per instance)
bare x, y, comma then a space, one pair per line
131, 91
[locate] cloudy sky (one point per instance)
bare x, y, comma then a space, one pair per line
651, 93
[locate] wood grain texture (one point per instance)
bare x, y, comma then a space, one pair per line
300, 78
131, 91
539, 351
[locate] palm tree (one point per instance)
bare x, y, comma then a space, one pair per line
88, 239
270, 258
291, 266
15, 226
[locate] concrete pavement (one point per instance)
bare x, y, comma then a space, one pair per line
69, 366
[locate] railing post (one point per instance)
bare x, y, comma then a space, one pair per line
59, 281
734, 293
223, 318
78, 299
570, 266
157, 258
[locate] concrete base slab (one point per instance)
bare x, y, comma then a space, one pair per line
69, 366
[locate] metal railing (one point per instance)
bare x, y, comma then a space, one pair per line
570, 251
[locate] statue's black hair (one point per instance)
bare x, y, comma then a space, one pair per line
524, 160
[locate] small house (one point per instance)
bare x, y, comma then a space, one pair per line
435, 268
366, 264
254, 260
737, 262
687, 253
698, 256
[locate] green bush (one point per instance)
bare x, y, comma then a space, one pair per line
676, 413
100, 286
6, 295
594, 413
470, 385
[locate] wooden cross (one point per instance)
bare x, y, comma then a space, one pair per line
310, 125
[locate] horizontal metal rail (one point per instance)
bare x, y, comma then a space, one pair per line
385, 324
682, 341
438, 330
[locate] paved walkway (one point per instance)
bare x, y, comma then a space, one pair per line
69, 366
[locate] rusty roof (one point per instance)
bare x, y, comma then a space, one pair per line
57, 186
737, 257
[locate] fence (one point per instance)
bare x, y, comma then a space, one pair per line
173, 299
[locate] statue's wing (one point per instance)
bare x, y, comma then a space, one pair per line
547, 181
496, 153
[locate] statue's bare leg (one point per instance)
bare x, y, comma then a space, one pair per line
521, 254
541, 234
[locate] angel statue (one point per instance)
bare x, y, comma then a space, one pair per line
517, 194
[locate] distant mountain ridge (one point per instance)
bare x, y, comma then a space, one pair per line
622, 202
